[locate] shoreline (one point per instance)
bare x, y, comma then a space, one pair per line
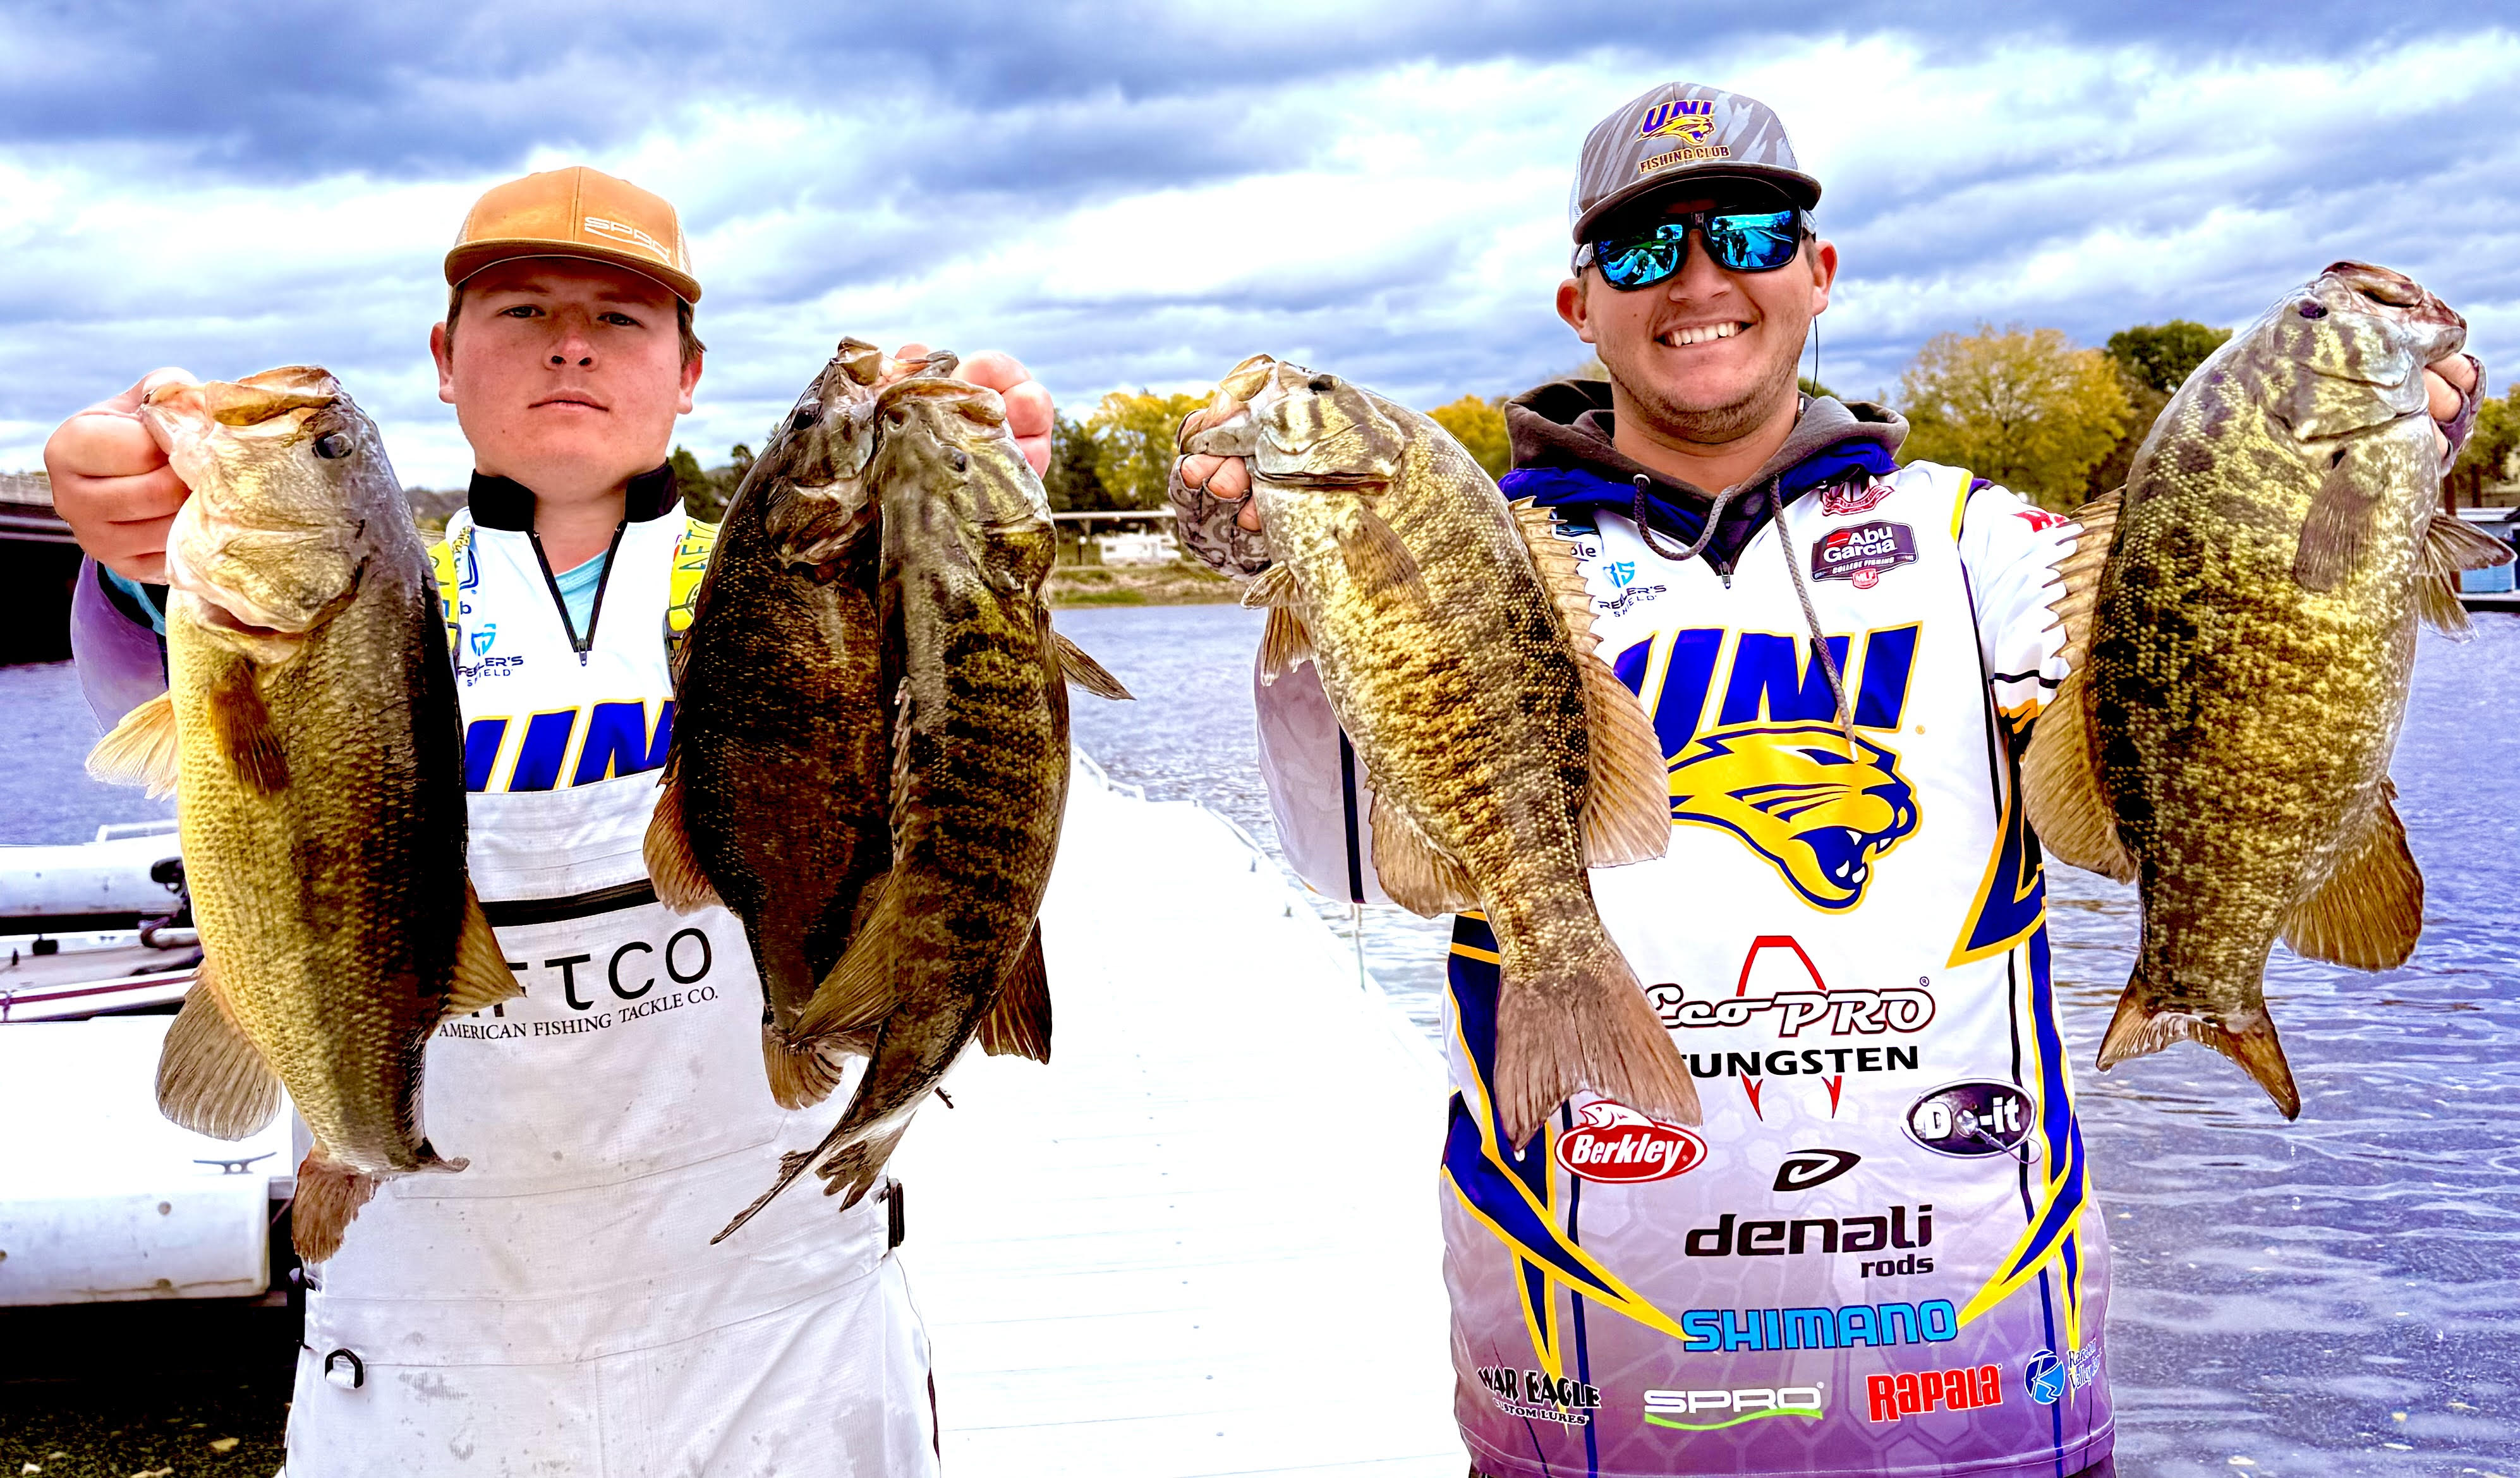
1178, 584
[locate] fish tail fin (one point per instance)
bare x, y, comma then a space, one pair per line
803, 1070
330, 1195
141, 751
852, 1171
2246, 1037
790, 1165
1592, 1029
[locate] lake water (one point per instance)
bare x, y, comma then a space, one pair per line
2336, 1296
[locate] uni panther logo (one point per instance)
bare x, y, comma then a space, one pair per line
1792, 794
1679, 116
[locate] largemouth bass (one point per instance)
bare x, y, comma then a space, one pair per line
777, 789
2243, 622
1453, 634
310, 735
950, 946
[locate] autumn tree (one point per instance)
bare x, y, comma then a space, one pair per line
1133, 448
2021, 406
1480, 426
2492, 453
2153, 360
1070, 482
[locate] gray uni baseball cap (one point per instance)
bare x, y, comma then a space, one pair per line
1682, 135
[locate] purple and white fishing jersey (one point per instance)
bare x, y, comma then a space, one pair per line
1880, 1253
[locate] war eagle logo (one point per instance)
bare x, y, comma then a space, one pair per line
1796, 797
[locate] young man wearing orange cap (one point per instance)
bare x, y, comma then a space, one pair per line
1880, 1252
557, 1307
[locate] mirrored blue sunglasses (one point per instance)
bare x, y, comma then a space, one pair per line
1753, 241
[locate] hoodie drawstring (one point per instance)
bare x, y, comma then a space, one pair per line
1811, 614
1714, 517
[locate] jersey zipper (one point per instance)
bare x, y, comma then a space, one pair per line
581, 645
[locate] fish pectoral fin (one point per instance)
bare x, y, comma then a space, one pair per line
2370, 911
859, 991
1018, 1022
2448, 546
803, 1070
142, 749
2081, 573
1284, 645
2246, 1037
1413, 873
1375, 555
240, 724
482, 979
680, 883
1627, 800
2340, 522
212, 1079
2060, 786
1273, 586
330, 1195
1081, 670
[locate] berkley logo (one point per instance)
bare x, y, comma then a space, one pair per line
1863, 554
1618, 1144
1839, 500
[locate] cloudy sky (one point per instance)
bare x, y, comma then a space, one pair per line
1138, 195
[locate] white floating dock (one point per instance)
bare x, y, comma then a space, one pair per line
1203, 1240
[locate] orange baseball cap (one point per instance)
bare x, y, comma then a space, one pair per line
578, 212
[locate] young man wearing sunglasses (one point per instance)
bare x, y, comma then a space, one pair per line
1882, 1252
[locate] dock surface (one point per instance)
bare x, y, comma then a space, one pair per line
1203, 1240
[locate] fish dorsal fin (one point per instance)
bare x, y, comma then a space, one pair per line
1412, 873
1273, 586
680, 883
240, 726
860, 989
142, 749
2371, 910
2061, 788
1085, 673
1018, 1022
2449, 546
482, 979
1627, 802
212, 1079
2081, 572
1284, 645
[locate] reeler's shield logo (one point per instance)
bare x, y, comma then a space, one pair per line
1620, 1146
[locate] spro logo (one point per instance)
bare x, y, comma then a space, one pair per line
1714, 1411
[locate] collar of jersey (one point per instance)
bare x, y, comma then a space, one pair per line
504, 503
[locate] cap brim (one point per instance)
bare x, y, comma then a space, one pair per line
468, 259
1799, 188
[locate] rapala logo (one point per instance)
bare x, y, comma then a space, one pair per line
1714, 1411
1618, 1144
1806, 1168
1863, 554
1540, 1395
1975, 1119
1888, 1398
1845, 498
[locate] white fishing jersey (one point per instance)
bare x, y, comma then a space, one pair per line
557, 1306
1879, 1253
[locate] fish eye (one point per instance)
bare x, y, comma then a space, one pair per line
2312, 310
333, 444
802, 419
1325, 383
961, 463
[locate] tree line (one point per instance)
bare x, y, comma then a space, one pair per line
2056, 422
